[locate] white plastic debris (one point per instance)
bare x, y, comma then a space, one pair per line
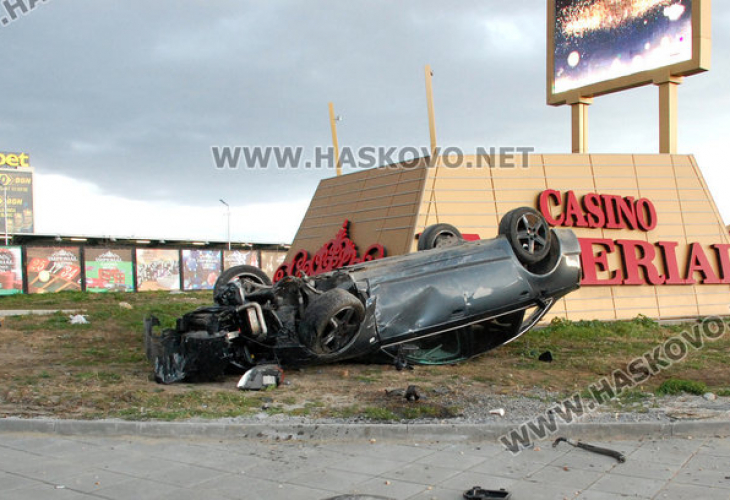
78, 319
125, 305
709, 396
497, 411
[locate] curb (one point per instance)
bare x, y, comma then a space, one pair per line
358, 432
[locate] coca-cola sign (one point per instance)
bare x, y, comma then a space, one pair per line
338, 252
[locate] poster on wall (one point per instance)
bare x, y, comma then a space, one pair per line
53, 269
11, 271
233, 258
109, 270
271, 260
201, 269
158, 269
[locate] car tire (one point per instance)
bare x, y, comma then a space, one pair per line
528, 233
439, 236
331, 323
244, 274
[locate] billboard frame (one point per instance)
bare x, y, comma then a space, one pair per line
700, 62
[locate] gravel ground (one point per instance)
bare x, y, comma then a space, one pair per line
521, 409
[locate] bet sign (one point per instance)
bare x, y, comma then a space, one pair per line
14, 160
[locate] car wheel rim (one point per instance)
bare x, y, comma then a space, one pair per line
339, 330
532, 233
445, 240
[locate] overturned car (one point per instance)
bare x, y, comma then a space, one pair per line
447, 302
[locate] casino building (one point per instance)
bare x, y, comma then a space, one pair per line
653, 242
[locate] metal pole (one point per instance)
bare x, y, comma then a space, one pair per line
431, 113
668, 115
579, 124
228, 217
5, 212
335, 143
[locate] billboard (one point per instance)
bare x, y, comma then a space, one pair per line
201, 269
109, 270
53, 269
601, 46
158, 269
232, 258
16, 201
11, 270
271, 260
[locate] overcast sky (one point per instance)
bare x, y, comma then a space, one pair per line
118, 103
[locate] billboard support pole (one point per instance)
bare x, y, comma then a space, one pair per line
5, 212
335, 143
431, 113
579, 111
668, 114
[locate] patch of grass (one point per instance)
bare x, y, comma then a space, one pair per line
673, 387
377, 413
343, 412
106, 377
427, 411
632, 397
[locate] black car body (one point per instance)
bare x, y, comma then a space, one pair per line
440, 305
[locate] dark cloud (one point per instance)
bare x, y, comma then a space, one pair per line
132, 95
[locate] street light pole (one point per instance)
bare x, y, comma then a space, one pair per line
228, 215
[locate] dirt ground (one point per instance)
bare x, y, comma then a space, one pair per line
52, 368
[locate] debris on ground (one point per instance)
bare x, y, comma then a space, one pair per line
497, 411
78, 319
479, 493
261, 377
595, 449
401, 393
126, 305
546, 357
413, 393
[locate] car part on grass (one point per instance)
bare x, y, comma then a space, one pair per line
546, 357
261, 377
401, 360
479, 493
413, 394
439, 306
595, 449
439, 236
